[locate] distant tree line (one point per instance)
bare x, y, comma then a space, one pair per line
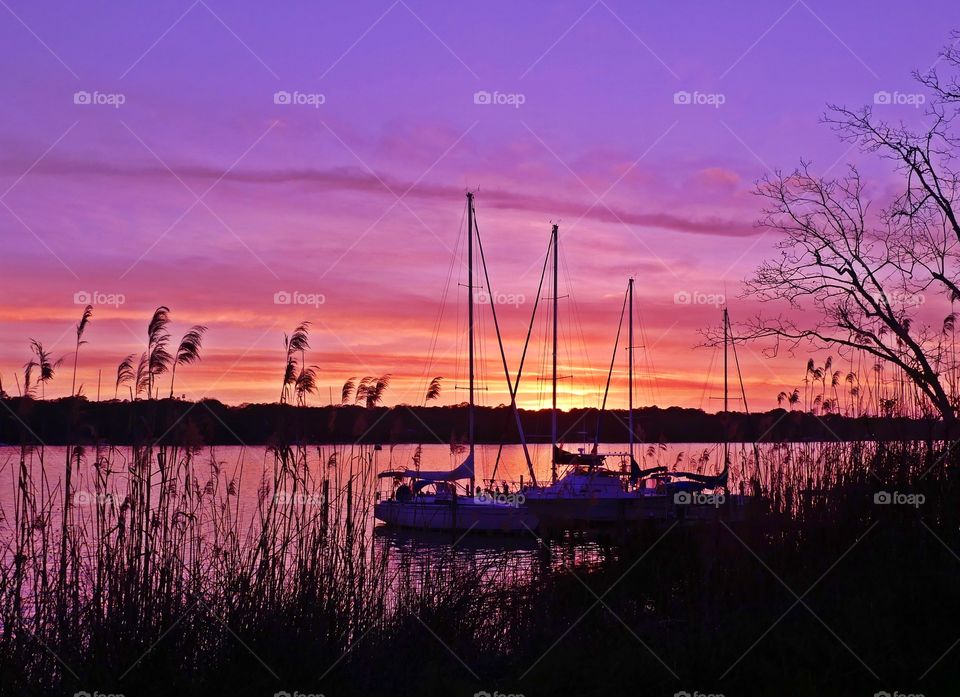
210, 422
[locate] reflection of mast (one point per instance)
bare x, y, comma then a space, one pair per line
553, 420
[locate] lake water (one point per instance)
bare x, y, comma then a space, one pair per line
247, 467
242, 481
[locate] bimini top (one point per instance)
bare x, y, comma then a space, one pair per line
565, 457
464, 471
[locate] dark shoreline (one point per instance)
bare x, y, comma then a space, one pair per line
209, 422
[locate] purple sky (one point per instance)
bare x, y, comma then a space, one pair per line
359, 199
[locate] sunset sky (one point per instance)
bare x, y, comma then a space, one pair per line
209, 156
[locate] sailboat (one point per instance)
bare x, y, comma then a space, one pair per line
448, 500
591, 494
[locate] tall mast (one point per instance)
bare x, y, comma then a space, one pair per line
472, 415
553, 418
726, 391
630, 368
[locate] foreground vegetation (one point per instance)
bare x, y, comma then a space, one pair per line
156, 583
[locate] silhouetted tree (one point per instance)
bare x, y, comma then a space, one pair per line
851, 276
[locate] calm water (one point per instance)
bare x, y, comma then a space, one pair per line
247, 473
250, 468
244, 478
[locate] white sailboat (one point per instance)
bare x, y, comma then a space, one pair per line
448, 500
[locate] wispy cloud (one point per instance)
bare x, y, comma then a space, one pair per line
356, 179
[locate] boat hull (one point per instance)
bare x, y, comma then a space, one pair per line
576, 512
584, 512
461, 516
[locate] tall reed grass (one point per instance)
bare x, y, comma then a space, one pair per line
155, 579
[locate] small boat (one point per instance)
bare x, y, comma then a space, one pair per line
448, 500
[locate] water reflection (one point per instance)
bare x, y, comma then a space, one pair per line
499, 558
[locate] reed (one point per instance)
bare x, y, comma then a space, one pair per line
154, 579
152, 537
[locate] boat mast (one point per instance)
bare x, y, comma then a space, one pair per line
472, 410
630, 367
553, 418
726, 389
